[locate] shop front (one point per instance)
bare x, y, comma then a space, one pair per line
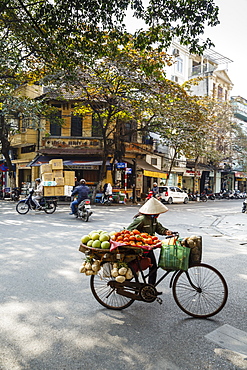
87, 169
191, 180
241, 181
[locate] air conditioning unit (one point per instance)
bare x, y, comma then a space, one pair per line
175, 52
174, 78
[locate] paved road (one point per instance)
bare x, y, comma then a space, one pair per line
50, 320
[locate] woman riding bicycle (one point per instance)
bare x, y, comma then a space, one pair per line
146, 222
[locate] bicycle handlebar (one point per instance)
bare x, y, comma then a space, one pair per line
174, 234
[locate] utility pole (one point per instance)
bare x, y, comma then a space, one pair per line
134, 181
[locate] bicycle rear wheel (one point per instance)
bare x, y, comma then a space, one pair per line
50, 207
104, 293
201, 291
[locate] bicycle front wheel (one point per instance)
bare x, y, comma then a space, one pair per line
104, 293
22, 207
201, 291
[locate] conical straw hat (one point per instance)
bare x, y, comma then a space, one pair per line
153, 207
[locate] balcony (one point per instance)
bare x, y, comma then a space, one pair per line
26, 138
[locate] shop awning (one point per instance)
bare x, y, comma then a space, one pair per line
73, 163
148, 169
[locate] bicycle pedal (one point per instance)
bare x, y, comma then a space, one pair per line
159, 300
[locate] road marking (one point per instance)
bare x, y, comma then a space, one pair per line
230, 338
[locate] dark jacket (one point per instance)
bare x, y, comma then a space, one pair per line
147, 224
82, 191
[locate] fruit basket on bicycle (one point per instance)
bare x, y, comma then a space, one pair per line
199, 290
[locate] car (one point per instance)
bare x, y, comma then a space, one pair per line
173, 194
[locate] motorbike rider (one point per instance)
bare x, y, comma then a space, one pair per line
146, 222
38, 193
82, 190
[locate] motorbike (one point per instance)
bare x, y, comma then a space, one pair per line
244, 206
107, 200
151, 194
84, 210
198, 197
27, 204
15, 194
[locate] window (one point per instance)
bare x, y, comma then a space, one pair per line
55, 127
28, 149
96, 127
174, 78
154, 161
179, 65
220, 93
76, 126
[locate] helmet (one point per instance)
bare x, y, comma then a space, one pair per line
82, 181
38, 179
155, 184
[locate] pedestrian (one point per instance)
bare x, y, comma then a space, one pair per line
38, 193
146, 222
82, 191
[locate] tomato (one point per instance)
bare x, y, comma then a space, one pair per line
126, 240
144, 235
126, 231
119, 239
154, 238
149, 241
113, 237
132, 238
136, 231
138, 237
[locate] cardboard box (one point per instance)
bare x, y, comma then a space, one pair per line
69, 178
59, 191
56, 164
59, 181
58, 173
45, 168
68, 190
47, 176
49, 191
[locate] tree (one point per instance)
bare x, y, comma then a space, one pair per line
215, 142
45, 38
77, 28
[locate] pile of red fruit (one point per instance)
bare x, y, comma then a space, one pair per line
134, 238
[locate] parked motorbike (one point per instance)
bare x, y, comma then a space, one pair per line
84, 210
211, 196
107, 200
244, 206
24, 205
198, 197
15, 194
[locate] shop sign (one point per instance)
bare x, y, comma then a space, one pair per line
121, 165
128, 170
193, 173
241, 174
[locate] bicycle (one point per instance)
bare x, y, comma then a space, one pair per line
47, 205
200, 292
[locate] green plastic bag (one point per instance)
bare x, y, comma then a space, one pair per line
174, 256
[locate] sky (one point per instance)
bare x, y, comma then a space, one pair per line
229, 38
